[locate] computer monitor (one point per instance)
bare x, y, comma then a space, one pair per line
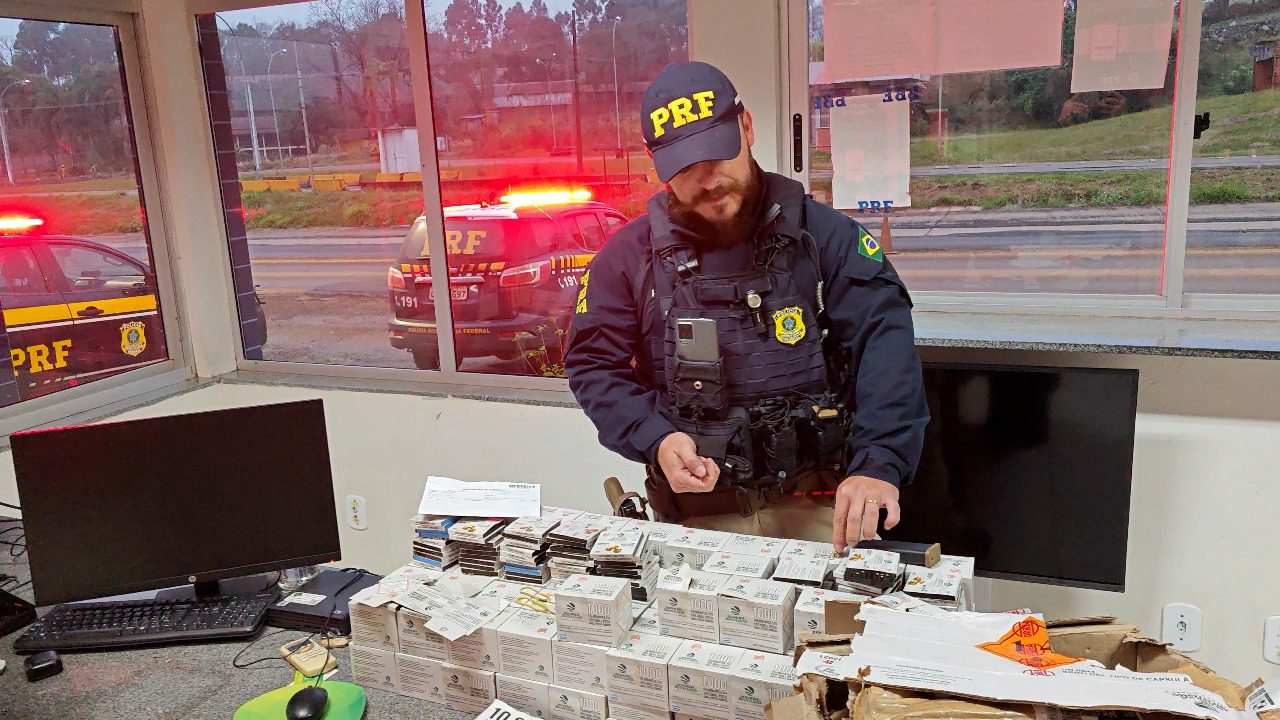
1028, 470
129, 506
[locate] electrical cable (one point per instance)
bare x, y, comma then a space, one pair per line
323, 631
12, 507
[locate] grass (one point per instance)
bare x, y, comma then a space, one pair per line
1128, 188
1247, 124
118, 184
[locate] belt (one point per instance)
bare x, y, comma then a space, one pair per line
724, 499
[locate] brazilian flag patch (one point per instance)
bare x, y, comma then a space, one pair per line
868, 247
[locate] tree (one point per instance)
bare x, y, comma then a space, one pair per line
33, 46
342, 22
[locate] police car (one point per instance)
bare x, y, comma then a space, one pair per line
515, 269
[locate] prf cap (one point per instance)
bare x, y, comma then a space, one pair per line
690, 114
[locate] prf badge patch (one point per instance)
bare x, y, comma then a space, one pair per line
581, 307
868, 247
788, 325
133, 338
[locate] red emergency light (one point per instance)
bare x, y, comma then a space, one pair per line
547, 197
19, 223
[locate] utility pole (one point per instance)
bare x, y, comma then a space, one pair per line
617, 112
271, 91
577, 97
302, 103
4, 129
248, 93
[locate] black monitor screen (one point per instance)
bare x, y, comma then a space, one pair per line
129, 506
1028, 470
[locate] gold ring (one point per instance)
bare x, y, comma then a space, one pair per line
871, 501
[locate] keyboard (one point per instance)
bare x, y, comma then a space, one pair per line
131, 623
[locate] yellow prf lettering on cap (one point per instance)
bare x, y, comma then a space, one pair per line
706, 103
659, 116
682, 112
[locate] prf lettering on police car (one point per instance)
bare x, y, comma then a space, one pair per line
679, 112
453, 238
40, 358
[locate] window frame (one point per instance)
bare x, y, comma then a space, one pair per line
175, 373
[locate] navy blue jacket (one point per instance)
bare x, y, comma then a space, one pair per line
609, 363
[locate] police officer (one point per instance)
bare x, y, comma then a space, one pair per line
807, 392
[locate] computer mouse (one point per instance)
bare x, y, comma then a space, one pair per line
307, 703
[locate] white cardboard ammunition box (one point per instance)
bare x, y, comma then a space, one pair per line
373, 620
698, 678
686, 604
638, 672
499, 593
417, 639
525, 645
479, 650
811, 609
467, 689
757, 680
647, 623
570, 704
593, 609
757, 566
757, 614
739, 544
420, 678
527, 696
625, 712
692, 547
374, 668
581, 666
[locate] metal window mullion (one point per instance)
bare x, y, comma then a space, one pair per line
433, 204
1173, 277
794, 47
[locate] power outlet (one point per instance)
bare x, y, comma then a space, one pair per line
1180, 627
357, 518
1271, 640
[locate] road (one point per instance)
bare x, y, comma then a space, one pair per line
325, 290
1200, 163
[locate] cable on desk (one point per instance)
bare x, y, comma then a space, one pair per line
13, 507
323, 631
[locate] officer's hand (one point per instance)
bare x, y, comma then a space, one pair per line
685, 469
858, 503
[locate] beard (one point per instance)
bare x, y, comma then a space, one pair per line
717, 235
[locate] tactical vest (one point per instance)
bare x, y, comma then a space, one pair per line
749, 412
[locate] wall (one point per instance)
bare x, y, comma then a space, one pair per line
1205, 497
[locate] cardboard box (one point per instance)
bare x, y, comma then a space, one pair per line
647, 623
420, 678
581, 666
524, 645
627, 712
417, 639
757, 614
724, 563
593, 609
479, 650
692, 547
374, 668
638, 672
467, 689
698, 678
373, 620
527, 696
686, 604
740, 544
757, 680
500, 593
571, 704
811, 609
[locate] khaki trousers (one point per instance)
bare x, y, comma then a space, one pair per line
805, 514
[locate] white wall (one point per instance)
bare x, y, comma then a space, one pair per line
1205, 495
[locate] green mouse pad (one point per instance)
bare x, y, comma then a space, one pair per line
346, 702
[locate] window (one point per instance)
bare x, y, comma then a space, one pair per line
613, 222
590, 231
77, 280
537, 112
316, 138
88, 269
20, 273
983, 167
1233, 235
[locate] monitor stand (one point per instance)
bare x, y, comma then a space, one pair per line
246, 585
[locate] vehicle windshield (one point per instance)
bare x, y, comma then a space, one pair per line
470, 239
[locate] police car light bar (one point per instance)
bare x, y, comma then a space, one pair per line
553, 197
16, 223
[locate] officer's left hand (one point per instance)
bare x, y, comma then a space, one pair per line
858, 502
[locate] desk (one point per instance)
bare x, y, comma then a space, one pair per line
169, 682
